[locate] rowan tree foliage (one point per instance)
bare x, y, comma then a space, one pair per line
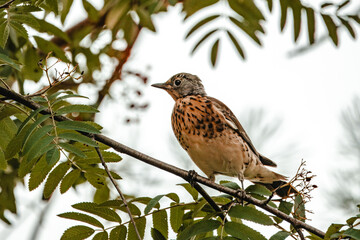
59, 146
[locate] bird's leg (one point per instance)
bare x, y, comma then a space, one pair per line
242, 189
191, 177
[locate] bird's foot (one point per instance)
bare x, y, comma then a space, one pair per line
191, 177
241, 193
266, 201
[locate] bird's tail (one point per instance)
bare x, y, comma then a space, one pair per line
282, 188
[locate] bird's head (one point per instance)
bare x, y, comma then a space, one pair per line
181, 85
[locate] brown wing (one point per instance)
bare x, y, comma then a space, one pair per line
235, 124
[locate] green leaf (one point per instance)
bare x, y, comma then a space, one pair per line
251, 214
92, 157
242, 231
353, 233
15, 144
48, 46
46, 27
27, 19
173, 196
160, 222
53, 6
24, 9
77, 137
145, 19
19, 29
118, 233
281, 235
93, 14
33, 126
82, 217
193, 6
284, 9
69, 180
54, 178
285, 207
351, 220
25, 167
343, 4
53, 156
68, 96
299, 208
258, 189
247, 10
310, 14
202, 40
176, 217
348, 27
78, 232
194, 229
32, 114
30, 69
326, 4
5, 30
296, 9
214, 52
65, 9
236, 44
101, 236
39, 148
39, 173
103, 212
153, 203
331, 27
140, 225
3, 162
72, 149
78, 126
200, 24
191, 190
249, 30
270, 5
76, 108
229, 184
95, 180
334, 228
156, 235
8, 61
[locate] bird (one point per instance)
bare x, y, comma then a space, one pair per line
214, 138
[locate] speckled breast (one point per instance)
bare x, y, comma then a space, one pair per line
193, 118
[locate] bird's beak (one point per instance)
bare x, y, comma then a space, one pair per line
161, 85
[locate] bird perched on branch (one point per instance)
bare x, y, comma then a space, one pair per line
213, 137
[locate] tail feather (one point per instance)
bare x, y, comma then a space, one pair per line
281, 188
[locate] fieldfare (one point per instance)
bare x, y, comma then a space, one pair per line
213, 137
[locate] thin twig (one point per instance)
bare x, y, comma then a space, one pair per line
5, 84
301, 235
119, 191
7, 4
209, 199
167, 167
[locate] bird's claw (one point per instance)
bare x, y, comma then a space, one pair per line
191, 177
242, 193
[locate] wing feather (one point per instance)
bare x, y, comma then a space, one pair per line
234, 123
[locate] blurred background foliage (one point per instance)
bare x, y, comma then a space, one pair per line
27, 36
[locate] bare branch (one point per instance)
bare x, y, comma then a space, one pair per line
167, 167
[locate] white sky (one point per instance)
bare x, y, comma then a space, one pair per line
307, 92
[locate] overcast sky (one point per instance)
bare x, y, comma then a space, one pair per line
307, 93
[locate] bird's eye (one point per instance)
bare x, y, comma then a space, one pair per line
177, 82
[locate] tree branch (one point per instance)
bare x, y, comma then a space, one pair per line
118, 190
167, 167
